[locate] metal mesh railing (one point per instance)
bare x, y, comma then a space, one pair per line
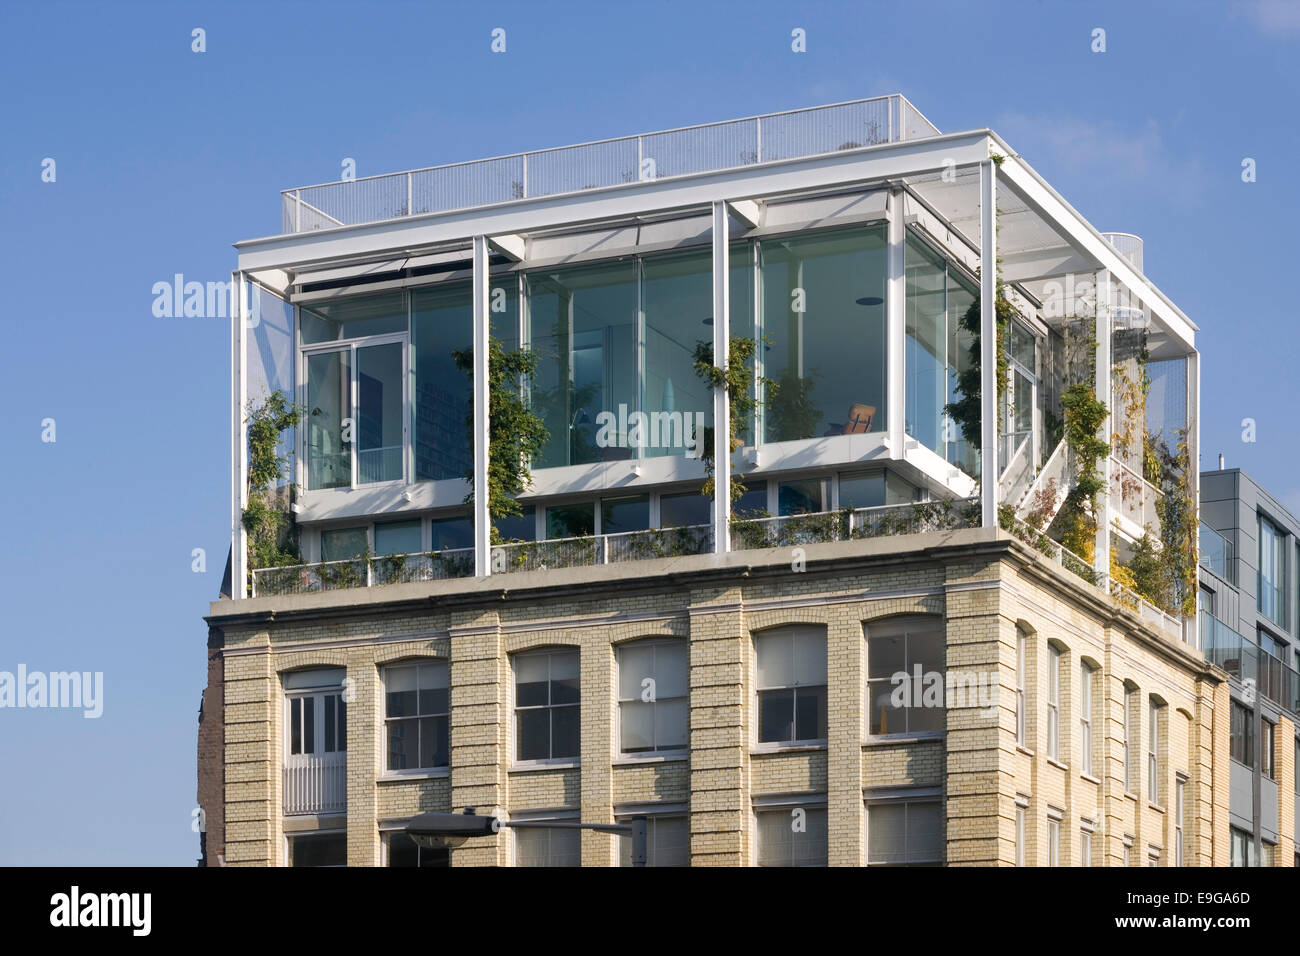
678, 152
592, 550
367, 571
1217, 554
849, 524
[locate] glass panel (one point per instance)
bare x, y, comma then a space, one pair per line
824, 313
403, 744
810, 657
400, 691
564, 677
503, 309
295, 725
753, 503
810, 713
680, 511
353, 317
331, 713
326, 850
671, 669
379, 427
402, 850
340, 544
885, 654
635, 663
887, 833
862, 491
624, 514
677, 296
926, 345
570, 521
398, 537
434, 693
452, 533
775, 660
433, 741
637, 722
775, 715
564, 731
309, 725
1024, 398
584, 331
531, 676
1023, 346
802, 497
442, 321
533, 728
961, 296
927, 647
329, 402
671, 722
522, 527
741, 305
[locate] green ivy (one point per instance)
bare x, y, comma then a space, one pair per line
966, 411
272, 533
738, 379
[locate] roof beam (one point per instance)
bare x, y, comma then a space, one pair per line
511, 246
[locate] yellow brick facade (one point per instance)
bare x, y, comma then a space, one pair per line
983, 586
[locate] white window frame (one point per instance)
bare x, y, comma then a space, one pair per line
1054, 820
1054, 660
658, 753
1153, 752
350, 346
774, 803
416, 662
917, 797
1022, 828
1180, 809
789, 632
559, 815
907, 623
1022, 642
1129, 701
1087, 675
515, 762
653, 814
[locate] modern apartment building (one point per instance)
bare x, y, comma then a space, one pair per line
1250, 545
881, 654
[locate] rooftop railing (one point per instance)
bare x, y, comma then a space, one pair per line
710, 147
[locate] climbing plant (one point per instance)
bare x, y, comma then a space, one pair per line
1084, 416
272, 534
1179, 527
516, 434
738, 379
965, 411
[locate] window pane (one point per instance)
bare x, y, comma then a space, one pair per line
400, 691
924, 832
810, 657
329, 849
677, 296
810, 713
680, 511
329, 402
790, 838
398, 537
295, 725
309, 725
926, 344
584, 331
564, 677
624, 514
342, 543
452, 533
671, 670
403, 744
635, 664
961, 296
824, 314
379, 426
533, 728
564, 730
886, 655
887, 833
433, 741
521, 527
776, 660
775, 715
637, 726
442, 322
802, 497
570, 521
926, 646
353, 317
862, 491
671, 724
402, 850
331, 713
532, 674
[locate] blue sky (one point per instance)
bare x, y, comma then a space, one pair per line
164, 157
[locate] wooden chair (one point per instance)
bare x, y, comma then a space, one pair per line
860, 419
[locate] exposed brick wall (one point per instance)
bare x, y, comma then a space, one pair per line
212, 757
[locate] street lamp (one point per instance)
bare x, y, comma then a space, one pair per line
445, 830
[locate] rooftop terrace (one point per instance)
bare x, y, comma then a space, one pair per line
730, 144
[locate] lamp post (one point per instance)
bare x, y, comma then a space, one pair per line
438, 830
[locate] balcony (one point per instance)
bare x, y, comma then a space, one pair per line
1217, 554
710, 147
1249, 663
595, 550
316, 784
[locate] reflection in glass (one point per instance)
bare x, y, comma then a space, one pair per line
379, 427
329, 402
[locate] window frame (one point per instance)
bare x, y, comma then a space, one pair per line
516, 762
907, 623
1055, 661
438, 770
789, 632
1087, 676
656, 753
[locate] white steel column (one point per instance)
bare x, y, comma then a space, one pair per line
238, 442
721, 406
1101, 551
482, 519
896, 330
988, 347
1192, 625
